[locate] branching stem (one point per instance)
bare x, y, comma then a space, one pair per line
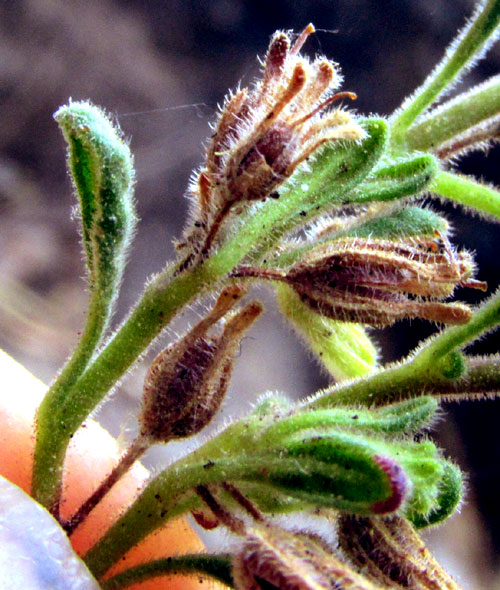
471, 41
133, 453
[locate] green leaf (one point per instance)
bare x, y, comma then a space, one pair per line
401, 179
405, 223
457, 116
406, 417
101, 167
468, 192
469, 45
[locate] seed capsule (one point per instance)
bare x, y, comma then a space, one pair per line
263, 134
380, 281
272, 557
389, 552
187, 381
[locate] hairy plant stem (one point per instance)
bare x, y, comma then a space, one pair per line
423, 373
467, 192
395, 383
62, 413
171, 494
132, 454
96, 323
217, 567
471, 41
455, 117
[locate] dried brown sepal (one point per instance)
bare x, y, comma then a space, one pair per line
380, 281
388, 551
274, 558
262, 134
187, 381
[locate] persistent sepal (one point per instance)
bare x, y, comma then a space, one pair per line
272, 557
186, 383
263, 134
379, 281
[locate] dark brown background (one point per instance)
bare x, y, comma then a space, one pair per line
161, 67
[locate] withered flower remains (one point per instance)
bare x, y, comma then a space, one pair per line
390, 553
273, 557
186, 383
263, 134
378, 282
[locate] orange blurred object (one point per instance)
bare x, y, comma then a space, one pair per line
92, 454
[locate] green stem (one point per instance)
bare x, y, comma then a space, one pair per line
468, 192
216, 566
421, 374
96, 323
485, 319
171, 492
168, 495
60, 415
389, 385
396, 383
469, 43
456, 116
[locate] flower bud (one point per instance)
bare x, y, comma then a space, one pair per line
187, 382
450, 494
354, 471
345, 349
340, 470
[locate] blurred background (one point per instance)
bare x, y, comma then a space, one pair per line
160, 68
